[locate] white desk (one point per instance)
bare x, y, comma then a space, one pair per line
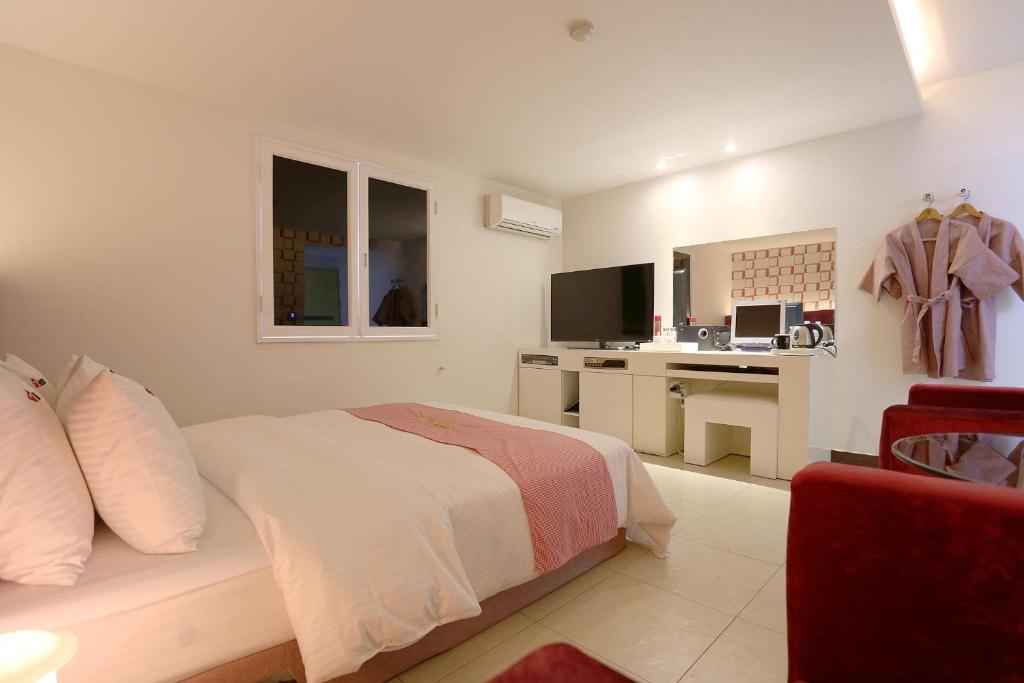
634, 404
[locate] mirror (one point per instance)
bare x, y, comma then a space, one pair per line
797, 267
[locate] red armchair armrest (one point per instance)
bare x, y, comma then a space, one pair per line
901, 421
892, 577
979, 398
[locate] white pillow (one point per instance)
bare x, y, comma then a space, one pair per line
24, 371
65, 373
76, 376
46, 517
138, 467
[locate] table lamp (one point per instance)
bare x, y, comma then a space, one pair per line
35, 656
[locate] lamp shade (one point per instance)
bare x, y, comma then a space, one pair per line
31, 656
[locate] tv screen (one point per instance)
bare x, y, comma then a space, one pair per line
605, 304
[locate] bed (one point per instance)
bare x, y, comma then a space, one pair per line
222, 612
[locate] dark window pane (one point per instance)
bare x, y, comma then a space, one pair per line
310, 244
398, 217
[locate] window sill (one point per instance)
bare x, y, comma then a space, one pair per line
355, 338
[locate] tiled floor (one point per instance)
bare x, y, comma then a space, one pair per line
713, 611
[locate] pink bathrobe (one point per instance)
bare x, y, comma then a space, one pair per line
979, 321
938, 278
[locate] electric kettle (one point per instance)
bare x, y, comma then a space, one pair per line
808, 335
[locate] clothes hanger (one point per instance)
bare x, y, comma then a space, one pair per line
965, 207
928, 212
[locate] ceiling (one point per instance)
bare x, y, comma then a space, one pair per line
499, 89
948, 39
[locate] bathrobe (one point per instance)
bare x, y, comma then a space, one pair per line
979, 321
938, 278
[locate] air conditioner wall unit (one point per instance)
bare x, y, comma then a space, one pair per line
503, 212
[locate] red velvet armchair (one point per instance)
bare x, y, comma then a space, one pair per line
892, 577
944, 408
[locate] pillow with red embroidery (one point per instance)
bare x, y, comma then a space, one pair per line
28, 374
135, 460
46, 516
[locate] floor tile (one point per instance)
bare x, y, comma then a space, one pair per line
552, 601
499, 658
711, 576
686, 512
777, 484
753, 523
730, 467
675, 460
701, 489
632, 552
745, 653
639, 627
768, 608
735, 467
438, 667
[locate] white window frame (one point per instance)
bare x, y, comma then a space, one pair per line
367, 171
357, 246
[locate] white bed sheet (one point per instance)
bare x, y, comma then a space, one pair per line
161, 617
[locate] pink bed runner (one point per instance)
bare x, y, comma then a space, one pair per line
565, 484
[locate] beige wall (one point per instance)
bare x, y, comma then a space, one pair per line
864, 183
128, 231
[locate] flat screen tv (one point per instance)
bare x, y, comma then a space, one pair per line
603, 305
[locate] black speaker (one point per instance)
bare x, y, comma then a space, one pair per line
704, 335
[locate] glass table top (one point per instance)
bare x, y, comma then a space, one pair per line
983, 458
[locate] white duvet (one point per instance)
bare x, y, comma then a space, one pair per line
378, 536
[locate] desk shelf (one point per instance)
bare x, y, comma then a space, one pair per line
752, 377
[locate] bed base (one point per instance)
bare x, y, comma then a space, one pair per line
387, 665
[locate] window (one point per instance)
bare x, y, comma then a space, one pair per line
345, 249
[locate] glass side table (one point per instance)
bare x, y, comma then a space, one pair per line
982, 458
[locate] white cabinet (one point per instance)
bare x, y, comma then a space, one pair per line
629, 397
656, 416
540, 394
606, 404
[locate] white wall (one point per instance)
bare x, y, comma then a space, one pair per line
864, 183
128, 232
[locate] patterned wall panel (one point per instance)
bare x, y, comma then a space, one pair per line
804, 273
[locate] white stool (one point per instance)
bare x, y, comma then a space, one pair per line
708, 434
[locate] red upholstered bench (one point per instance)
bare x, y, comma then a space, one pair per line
559, 663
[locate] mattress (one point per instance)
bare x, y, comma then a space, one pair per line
161, 617
165, 617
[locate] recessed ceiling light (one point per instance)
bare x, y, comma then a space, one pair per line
661, 165
581, 31
730, 147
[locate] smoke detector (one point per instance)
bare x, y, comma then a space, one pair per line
581, 31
